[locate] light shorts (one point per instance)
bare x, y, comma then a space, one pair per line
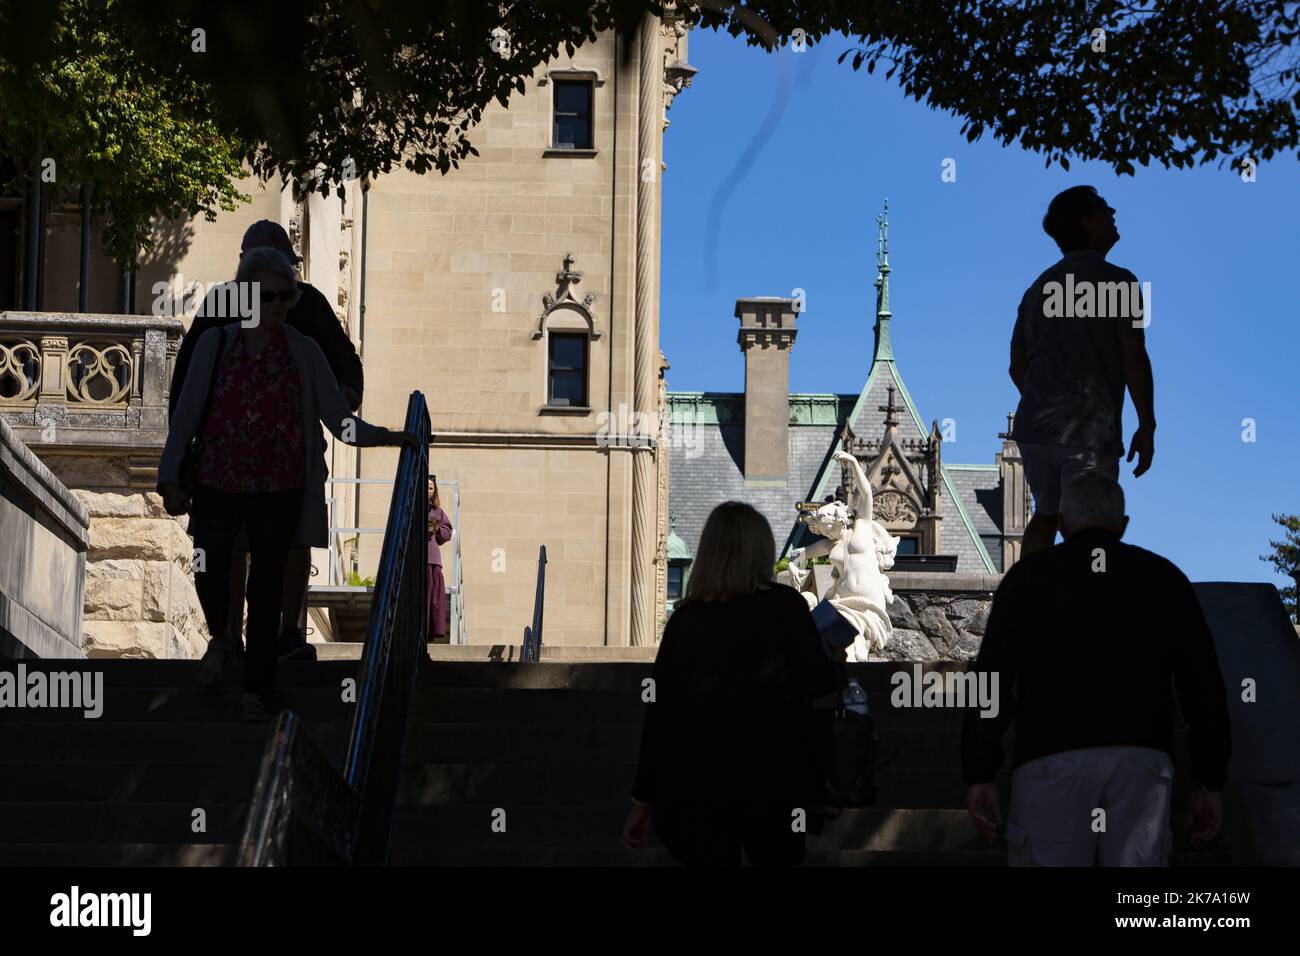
1049, 468
1098, 806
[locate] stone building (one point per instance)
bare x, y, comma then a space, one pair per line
519, 293
773, 449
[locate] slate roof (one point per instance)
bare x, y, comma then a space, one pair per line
708, 470
702, 477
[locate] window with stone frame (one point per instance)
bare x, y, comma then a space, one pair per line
566, 370
572, 109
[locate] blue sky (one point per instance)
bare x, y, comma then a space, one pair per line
1221, 256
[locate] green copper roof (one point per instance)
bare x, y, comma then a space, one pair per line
728, 408
677, 550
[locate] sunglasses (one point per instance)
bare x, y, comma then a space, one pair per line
284, 295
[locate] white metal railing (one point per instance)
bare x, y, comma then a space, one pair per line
452, 579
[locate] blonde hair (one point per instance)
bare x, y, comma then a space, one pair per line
734, 556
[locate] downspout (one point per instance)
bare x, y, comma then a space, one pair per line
35, 227
613, 302
83, 293
361, 347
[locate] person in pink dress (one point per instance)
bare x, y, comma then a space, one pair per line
439, 534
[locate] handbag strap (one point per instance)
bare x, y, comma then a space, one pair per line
212, 381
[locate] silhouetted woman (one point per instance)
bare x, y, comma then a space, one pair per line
265, 387
439, 534
728, 756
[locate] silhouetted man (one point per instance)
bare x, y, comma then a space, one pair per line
1079, 340
314, 317
1090, 640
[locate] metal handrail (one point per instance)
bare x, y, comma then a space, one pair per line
350, 814
395, 642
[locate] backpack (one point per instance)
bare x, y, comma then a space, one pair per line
849, 744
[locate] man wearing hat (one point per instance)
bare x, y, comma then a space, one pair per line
314, 317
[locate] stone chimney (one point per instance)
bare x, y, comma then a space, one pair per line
767, 330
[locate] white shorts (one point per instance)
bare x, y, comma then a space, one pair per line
1049, 468
1100, 806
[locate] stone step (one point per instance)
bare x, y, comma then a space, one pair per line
127, 781
156, 674
116, 854
619, 676
573, 827
147, 742
498, 856
188, 703
572, 705
443, 784
131, 822
656, 856
596, 744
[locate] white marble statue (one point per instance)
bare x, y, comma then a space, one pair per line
860, 550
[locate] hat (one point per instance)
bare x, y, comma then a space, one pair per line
266, 232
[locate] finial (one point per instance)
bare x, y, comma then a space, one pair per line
882, 238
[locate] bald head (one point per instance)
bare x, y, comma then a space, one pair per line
1093, 500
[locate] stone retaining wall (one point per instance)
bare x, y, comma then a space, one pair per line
140, 600
936, 616
140, 597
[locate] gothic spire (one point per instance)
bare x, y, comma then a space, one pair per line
884, 345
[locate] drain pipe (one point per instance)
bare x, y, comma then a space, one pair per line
361, 345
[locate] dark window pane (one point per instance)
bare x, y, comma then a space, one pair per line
573, 114
568, 351
674, 581
572, 132
568, 388
573, 96
909, 546
567, 369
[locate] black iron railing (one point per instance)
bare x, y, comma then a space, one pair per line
532, 649
303, 809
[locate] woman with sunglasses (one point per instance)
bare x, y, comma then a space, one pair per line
254, 395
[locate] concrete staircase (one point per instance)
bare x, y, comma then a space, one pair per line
554, 747
123, 789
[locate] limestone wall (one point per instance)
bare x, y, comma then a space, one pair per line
42, 557
139, 598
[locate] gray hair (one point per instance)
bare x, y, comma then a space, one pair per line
266, 259
1092, 500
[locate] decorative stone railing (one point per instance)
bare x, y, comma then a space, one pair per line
72, 380
88, 395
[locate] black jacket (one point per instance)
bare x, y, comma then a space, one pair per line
731, 721
1091, 658
312, 316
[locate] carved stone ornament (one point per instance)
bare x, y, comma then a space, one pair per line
563, 298
894, 507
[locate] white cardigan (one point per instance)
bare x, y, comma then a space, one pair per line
322, 402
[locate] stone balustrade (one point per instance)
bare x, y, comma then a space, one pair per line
88, 395
80, 381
